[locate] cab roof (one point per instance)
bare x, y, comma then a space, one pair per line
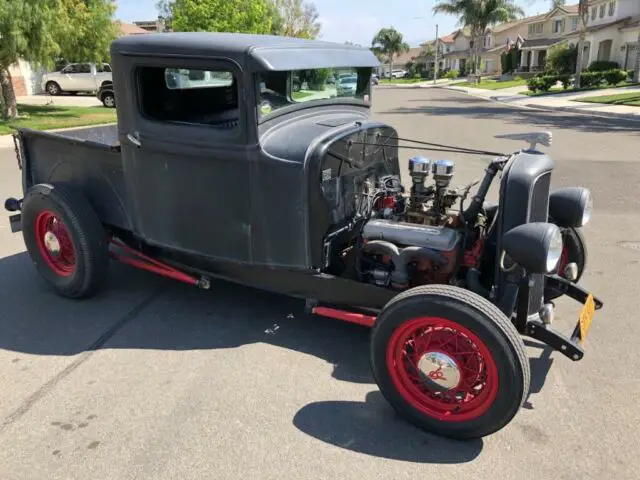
253, 52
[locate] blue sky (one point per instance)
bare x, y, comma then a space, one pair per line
358, 20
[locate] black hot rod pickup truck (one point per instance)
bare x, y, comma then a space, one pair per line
220, 167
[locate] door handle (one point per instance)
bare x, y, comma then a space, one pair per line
134, 139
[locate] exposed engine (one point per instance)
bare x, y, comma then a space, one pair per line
415, 239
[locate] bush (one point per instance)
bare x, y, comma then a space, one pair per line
614, 77
602, 65
590, 79
452, 74
566, 80
542, 83
562, 59
630, 74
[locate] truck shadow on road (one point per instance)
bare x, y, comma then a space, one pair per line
139, 310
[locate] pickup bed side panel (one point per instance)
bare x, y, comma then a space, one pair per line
94, 168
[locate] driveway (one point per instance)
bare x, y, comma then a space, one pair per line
155, 379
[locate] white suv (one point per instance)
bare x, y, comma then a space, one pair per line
77, 77
398, 73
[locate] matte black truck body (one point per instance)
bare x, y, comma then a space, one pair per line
231, 159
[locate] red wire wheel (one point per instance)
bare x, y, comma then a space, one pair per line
54, 242
65, 239
442, 369
449, 361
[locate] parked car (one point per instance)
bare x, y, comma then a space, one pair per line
106, 95
77, 77
346, 85
235, 181
399, 73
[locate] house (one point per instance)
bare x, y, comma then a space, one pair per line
25, 76
544, 32
160, 24
612, 32
445, 46
496, 40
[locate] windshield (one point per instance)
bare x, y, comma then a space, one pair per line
283, 89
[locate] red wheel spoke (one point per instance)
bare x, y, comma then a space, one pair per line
459, 389
55, 244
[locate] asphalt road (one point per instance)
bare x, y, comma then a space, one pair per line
155, 379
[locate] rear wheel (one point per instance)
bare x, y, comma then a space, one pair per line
449, 361
65, 240
108, 100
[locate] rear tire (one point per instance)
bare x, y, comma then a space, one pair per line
109, 100
65, 239
449, 361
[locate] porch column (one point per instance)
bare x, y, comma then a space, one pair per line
524, 58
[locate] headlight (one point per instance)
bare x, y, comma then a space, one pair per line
571, 207
588, 208
555, 250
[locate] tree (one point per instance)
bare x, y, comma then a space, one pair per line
477, 15
427, 54
636, 73
389, 42
557, 3
297, 18
238, 16
38, 31
583, 16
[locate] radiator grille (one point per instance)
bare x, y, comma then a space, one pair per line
539, 210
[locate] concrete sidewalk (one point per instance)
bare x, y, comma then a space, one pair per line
62, 100
565, 102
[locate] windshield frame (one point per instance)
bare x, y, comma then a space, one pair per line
295, 106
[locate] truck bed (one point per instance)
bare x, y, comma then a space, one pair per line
104, 135
87, 158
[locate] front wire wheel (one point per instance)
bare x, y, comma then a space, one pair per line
449, 361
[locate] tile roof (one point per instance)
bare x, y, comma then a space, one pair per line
130, 28
541, 42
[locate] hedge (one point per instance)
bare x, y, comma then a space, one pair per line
544, 81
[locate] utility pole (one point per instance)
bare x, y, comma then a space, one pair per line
435, 66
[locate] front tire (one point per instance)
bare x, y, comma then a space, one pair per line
53, 88
65, 240
449, 361
574, 250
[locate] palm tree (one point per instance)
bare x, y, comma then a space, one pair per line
477, 15
390, 43
636, 74
583, 16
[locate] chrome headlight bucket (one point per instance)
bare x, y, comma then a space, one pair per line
536, 247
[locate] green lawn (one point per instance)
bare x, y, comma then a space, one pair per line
403, 80
300, 95
489, 84
49, 117
557, 90
631, 99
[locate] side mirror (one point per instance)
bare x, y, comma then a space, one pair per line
536, 247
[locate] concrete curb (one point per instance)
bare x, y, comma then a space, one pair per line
591, 113
546, 108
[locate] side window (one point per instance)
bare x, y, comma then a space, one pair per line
83, 68
103, 68
191, 96
67, 69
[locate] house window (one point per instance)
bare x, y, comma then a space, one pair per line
192, 96
558, 26
602, 10
612, 8
487, 41
594, 12
574, 24
535, 28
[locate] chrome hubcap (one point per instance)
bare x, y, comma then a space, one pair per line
52, 243
439, 372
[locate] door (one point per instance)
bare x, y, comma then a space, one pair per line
186, 159
77, 77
